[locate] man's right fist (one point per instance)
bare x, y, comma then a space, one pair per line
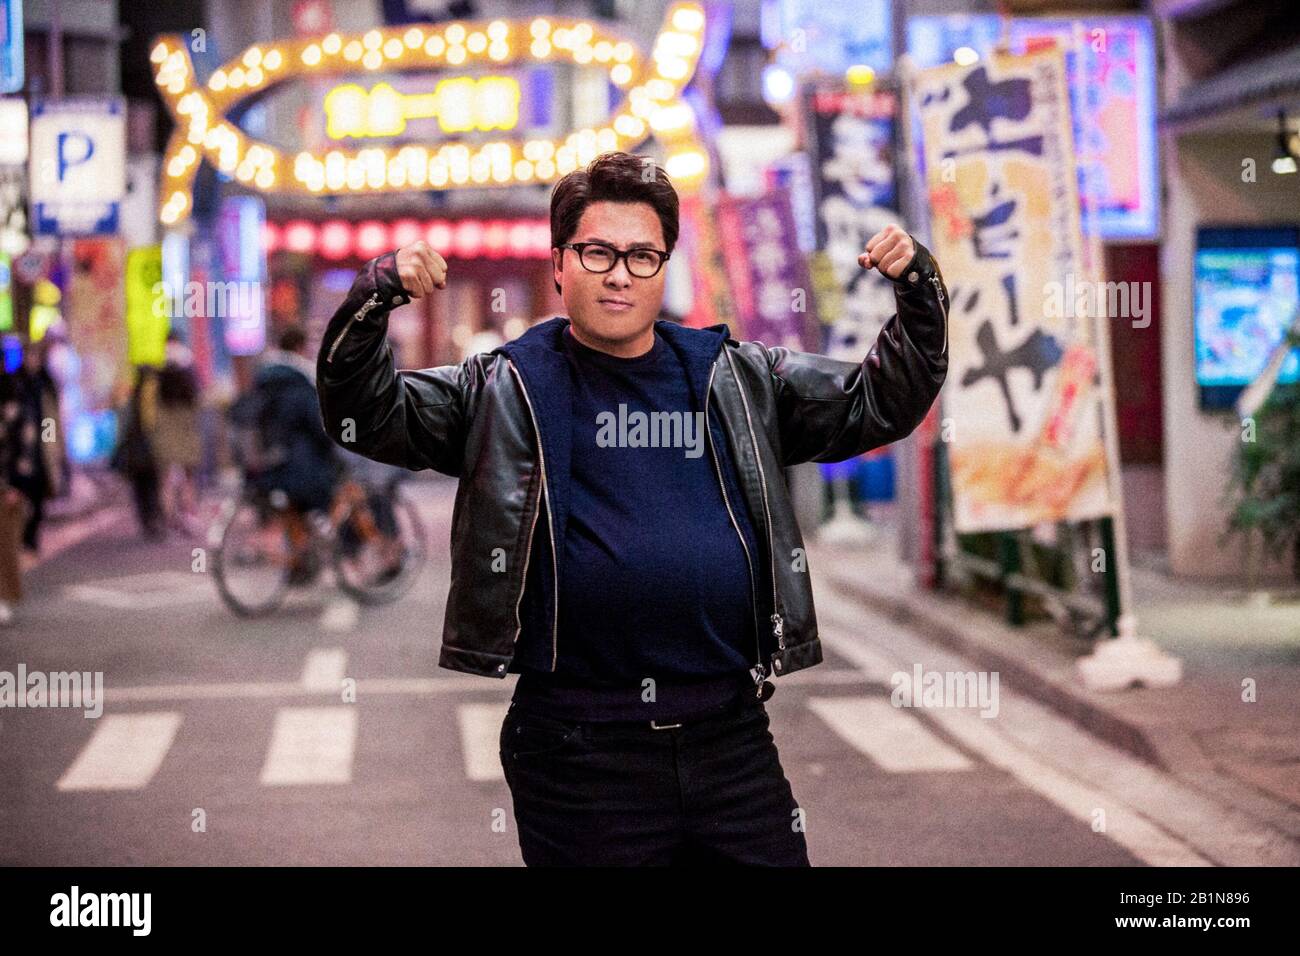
421, 269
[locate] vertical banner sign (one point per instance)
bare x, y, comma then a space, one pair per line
6, 293
710, 292
1111, 71
1110, 67
851, 141
238, 301
211, 361
773, 291
147, 307
11, 46
94, 309
13, 132
77, 166
1027, 411
794, 172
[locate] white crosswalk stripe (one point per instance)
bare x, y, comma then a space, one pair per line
890, 736
340, 615
143, 592
480, 733
311, 745
123, 753
325, 669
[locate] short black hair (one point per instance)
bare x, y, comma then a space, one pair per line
292, 338
613, 177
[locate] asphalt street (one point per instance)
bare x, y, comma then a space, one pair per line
233, 742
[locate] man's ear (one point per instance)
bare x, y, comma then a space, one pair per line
557, 267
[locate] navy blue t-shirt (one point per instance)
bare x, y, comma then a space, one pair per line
654, 580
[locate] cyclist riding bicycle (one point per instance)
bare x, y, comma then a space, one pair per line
283, 449
371, 487
282, 444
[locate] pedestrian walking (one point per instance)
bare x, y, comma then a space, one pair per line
177, 436
134, 457
32, 465
33, 438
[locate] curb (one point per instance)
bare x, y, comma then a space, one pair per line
950, 622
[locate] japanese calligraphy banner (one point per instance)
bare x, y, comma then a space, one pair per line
1024, 404
851, 147
768, 275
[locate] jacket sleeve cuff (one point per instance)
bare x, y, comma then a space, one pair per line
918, 269
379, 275
387, 282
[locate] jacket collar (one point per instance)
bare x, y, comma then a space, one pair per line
539, 358
540, 349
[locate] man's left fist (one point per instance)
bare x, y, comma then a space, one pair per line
889, 250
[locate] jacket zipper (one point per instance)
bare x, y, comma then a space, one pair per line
528, 551
761, 671
555, 578
938, 291
357, 317
778, 622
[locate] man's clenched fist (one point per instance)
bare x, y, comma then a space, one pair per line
421, 269
889, 250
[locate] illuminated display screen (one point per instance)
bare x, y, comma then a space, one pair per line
1247, 293
1110, 66
829, 37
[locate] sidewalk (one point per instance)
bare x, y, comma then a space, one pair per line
1246, 755
93, 506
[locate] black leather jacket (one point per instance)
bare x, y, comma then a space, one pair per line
477, 421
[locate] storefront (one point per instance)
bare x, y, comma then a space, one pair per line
499, 279
452, 133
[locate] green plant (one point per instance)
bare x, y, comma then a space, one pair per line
1264, 490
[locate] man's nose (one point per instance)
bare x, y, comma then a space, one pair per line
618, 277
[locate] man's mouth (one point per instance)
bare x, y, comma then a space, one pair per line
616, 305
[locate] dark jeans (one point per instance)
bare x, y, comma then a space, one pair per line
34, 491
624, 794
148, 503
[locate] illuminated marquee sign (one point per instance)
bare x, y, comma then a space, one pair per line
653, 104
460, 105
455, 238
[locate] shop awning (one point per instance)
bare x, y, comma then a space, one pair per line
1257, 83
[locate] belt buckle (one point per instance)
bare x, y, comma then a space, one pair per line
655, 725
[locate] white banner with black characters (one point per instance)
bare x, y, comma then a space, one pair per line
1024, 404
851, 145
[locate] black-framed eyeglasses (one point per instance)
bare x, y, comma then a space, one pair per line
600, 257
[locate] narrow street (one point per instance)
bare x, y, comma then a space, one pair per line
228, 742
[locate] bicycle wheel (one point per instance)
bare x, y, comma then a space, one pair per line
378, 556
253, 557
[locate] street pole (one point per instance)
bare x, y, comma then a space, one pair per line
54, 42
1126, 659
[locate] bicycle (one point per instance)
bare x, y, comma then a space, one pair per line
373, 539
